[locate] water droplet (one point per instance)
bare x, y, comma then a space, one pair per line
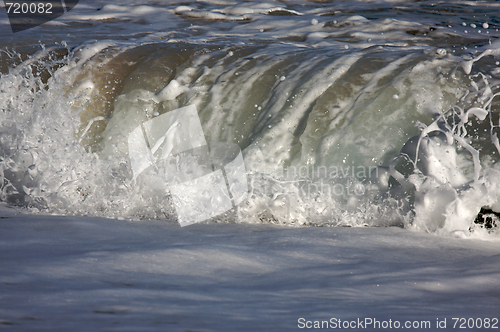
486, 25
282, 78
314, 21
394, 96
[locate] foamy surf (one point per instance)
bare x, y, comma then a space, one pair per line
350, 121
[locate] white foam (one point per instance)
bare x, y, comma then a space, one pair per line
307, 89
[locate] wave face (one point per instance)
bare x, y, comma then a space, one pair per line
351, 114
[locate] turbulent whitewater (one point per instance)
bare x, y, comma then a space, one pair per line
347, 114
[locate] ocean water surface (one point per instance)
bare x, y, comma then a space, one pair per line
347, 113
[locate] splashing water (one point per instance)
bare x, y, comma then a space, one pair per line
375, 134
